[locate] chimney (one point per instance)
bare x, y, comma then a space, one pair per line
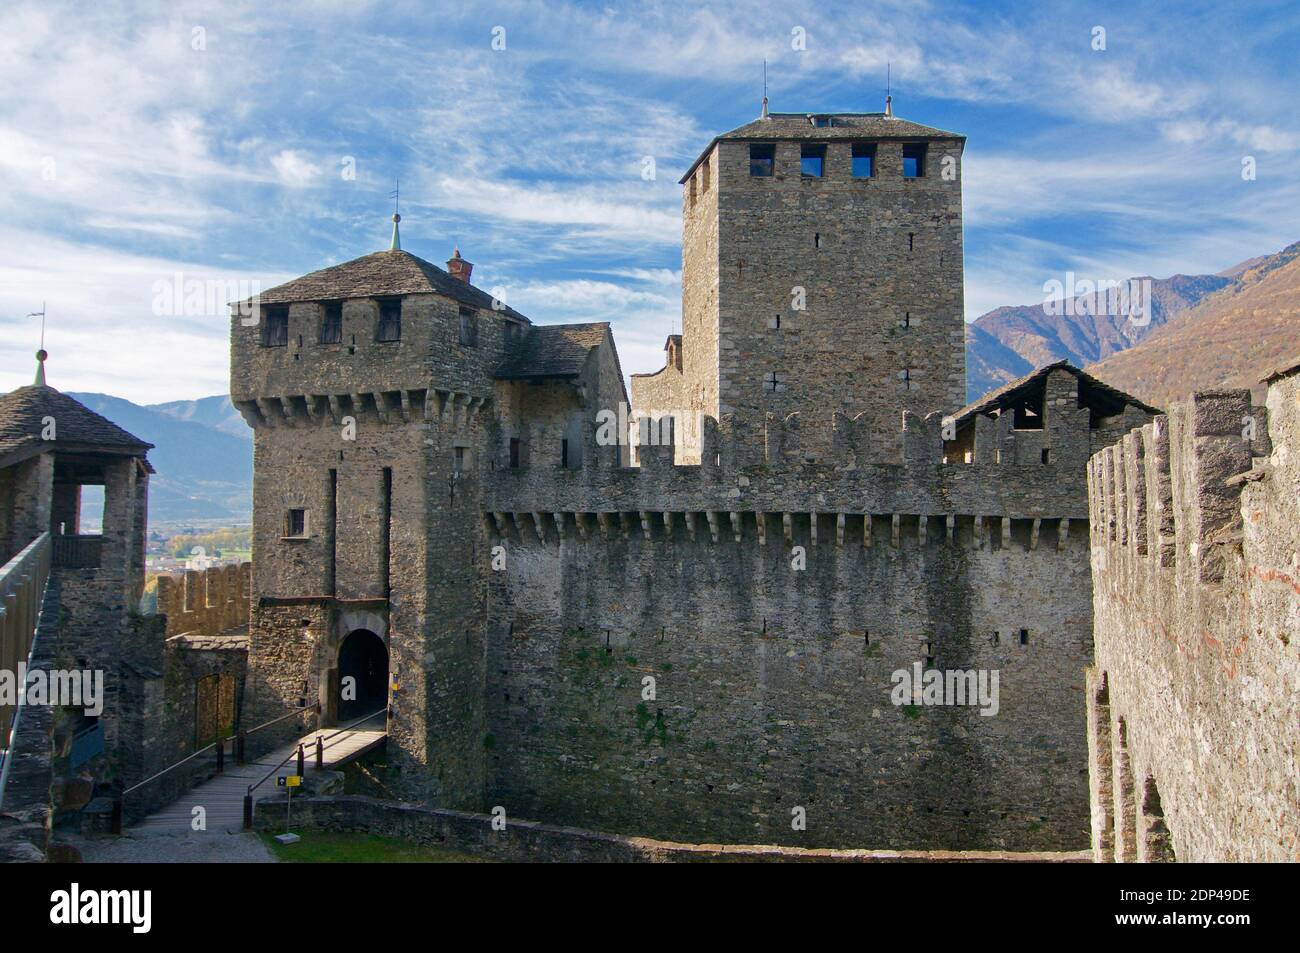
458, 267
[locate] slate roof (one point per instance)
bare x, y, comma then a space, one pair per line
554, 350
1284, 370
22, 410
853, 126
1092, 393
392, 272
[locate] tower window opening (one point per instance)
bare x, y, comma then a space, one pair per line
468, 327
514, 453
913, 160
295, 523
773, 383
911, 240
864, 160
390, 320
331, 325
1024, 636
774, 323
275, 330
762, 159
817, 239
906, 376
812, 160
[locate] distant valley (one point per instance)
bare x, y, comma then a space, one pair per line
203, 454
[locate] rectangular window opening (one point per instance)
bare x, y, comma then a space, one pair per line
762, 159
864, 160
295, 523
390, 320
812, 160
331, 326
275, 330
514, 453
468, 327
913, 160
1024, 636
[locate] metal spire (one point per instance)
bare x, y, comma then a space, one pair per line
41, 354
889, 99
764, 113
397, 240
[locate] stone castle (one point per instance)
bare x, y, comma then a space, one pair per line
692, 636
682, 615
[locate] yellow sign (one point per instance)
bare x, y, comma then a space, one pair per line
294, 780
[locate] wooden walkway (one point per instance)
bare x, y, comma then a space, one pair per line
223, 796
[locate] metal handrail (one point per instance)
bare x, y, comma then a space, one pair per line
320, 739
302, 707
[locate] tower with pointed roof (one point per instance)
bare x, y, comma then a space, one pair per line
821, 272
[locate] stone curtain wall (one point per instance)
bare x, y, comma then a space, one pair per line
208, 602
1193, 696
772, 686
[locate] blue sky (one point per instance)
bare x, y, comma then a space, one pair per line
142, 140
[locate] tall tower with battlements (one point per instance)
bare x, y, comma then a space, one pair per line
821, 272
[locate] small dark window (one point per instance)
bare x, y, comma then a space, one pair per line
564, 453
331, 325
295, 523
812, 161
514, 453
1024, 636
459, 455
390, 320
864, 160
511, 335
773, 383
822, 122
762, 159
1046, 455
913, 160
911, 241
468, 327
275, 332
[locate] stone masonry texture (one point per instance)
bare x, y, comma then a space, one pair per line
1193, 699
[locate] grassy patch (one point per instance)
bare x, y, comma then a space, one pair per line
321, 847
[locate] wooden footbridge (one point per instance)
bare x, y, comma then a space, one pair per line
228, 800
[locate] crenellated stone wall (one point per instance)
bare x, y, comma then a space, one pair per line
208, 602
1194, 696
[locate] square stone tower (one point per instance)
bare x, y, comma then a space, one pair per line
821, 272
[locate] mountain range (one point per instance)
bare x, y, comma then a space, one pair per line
1251, 306
203, 455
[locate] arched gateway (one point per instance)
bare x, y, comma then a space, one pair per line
363, 658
